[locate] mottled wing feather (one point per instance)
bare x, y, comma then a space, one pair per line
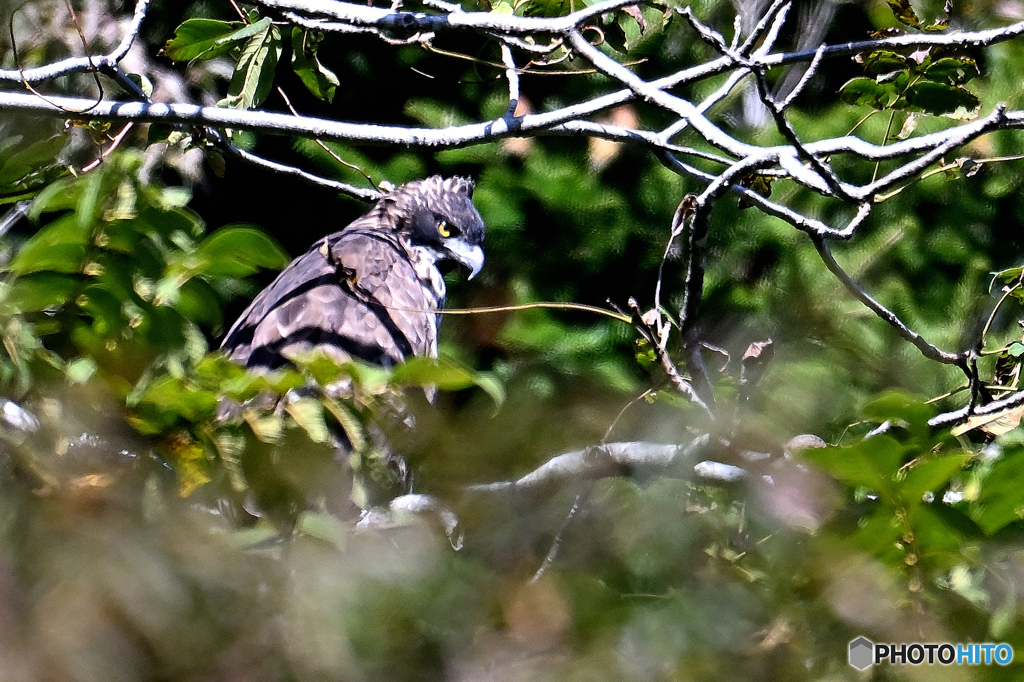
355, 293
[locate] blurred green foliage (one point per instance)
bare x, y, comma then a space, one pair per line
166, 515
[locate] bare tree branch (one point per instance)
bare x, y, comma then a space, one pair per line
610, 459
928, 350
107, 62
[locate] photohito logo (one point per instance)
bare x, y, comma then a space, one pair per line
864, 653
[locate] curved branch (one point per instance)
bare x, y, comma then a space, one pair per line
82, 64
350, 14
602, 461
1009, 402
928, 350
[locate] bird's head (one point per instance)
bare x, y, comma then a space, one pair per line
437, 214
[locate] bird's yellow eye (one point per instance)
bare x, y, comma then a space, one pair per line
442, 229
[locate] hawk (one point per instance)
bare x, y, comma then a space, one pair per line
371, 290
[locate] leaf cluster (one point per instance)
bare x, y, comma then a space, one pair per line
255, 45
919, 82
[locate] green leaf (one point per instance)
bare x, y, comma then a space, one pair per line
58, 247
1011, 276
309, 415
143, 83
80, 370
238, 252
883, 61
323, 526
319, 365
902, 408
268, 427
254, 73
372, 379
192, 467
447, 375
208, 38
862, 91
904, 13
953, 70
59, 195
930, 476
92, 198
942, 100
544, 8
1001, 498
103, 307
18, 165
179, 398
39, 291
317, 78
871, 464
199, 303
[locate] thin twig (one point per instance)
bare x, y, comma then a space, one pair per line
556, 543
928, 350
512, 75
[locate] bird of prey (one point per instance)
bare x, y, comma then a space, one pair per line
371, 290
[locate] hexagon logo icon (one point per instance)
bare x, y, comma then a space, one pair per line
862, 653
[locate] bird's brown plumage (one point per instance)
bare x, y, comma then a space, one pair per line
369, 291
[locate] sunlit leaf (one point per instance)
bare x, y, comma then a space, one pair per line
309, 415
320, 366
447, 375
58, 247
80, 370
348, 421
759, 184
254, 73
192, 468
904, 13
209, 38
175, 396
238, 252
266, 426
317, 78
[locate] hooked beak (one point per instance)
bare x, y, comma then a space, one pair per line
470, 256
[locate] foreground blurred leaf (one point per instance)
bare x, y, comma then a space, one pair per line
238, 252
447, 375
1001, 498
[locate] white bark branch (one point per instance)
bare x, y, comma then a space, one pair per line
80, 64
